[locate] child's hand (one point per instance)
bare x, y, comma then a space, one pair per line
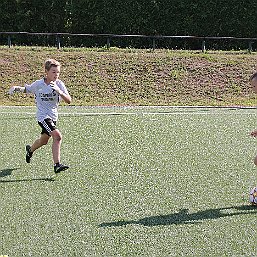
254, 133
12, 90
55, 87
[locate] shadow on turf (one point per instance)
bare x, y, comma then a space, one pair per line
184, 217
27, 180
6, 172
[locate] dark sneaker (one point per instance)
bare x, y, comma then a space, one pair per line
60, 167
28, 153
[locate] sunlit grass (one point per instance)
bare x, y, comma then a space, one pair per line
141, 181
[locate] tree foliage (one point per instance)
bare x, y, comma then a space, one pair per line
235, 18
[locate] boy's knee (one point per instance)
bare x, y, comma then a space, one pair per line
57, 136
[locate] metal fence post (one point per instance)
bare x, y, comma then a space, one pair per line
58, 42
108, 43
203, 46
250, 47
9, 41
154, 44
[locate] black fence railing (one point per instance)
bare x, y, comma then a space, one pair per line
153, 42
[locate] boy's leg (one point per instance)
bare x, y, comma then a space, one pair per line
43, 140
56, 147
48, 130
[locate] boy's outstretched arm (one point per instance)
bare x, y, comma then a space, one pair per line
14, 89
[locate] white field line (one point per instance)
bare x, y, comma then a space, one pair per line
130, 110
134, 113
141, 107
146, 113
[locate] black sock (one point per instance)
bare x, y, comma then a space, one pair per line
57, 164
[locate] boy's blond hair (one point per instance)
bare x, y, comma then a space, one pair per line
51, 63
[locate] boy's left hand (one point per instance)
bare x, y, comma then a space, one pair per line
55, 87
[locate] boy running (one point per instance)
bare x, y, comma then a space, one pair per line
48, 92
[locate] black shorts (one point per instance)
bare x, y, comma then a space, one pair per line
47, 125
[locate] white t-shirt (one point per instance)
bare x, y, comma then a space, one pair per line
47, 100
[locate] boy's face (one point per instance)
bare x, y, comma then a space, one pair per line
254, 85
53, 73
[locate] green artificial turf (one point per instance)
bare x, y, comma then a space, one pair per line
143, 181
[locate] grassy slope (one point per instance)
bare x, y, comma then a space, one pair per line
137, 77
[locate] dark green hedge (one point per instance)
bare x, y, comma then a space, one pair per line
235, 18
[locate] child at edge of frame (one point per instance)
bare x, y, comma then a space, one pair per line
48, 92
253, 81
